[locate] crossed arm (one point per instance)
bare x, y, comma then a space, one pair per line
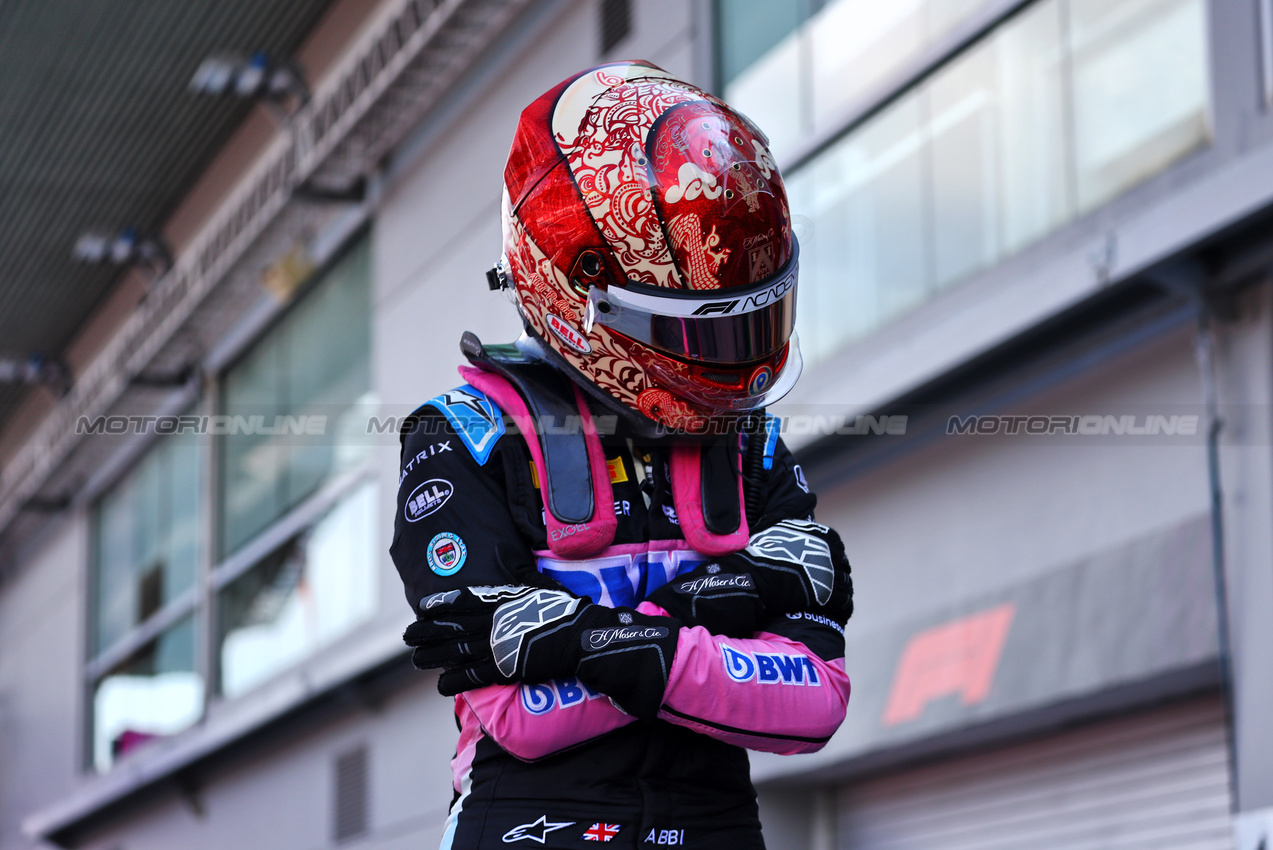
770, 692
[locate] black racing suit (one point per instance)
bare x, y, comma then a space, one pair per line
554, 764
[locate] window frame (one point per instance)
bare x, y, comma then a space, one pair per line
213, 571
909, 75
918, 72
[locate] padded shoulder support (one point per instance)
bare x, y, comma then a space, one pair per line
551, 403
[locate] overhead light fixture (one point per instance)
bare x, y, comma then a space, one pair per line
256, 77
125, 248
36, 370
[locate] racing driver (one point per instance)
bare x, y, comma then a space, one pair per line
610, 553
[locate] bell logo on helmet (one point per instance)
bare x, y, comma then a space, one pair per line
567, 334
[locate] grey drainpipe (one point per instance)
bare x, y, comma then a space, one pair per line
1188, 280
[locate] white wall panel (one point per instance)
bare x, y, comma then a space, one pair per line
965, 515
41, 639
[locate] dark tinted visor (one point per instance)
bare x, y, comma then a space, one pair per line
720, 326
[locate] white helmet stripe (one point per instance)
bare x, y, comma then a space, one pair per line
603, 139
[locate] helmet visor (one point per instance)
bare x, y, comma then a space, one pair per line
726, 400
728, 326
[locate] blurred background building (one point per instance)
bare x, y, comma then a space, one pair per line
1035, 309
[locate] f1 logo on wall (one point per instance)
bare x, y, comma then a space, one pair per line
427, 499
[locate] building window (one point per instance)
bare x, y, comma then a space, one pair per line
1052, 113
615, 23
300, 597
288, 565
796, 66
1140, 89
304, 383
148, 545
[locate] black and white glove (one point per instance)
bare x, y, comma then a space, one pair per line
724, 603
517, 633
793, 565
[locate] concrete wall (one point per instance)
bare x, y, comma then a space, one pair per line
280, 794
961, 519
949, 518
41, 634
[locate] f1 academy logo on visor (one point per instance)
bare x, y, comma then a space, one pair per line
752, 302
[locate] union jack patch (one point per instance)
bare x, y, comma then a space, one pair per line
601, 832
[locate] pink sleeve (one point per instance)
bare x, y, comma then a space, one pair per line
534, 721
767, 692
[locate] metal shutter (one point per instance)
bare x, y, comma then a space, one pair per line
1157, 779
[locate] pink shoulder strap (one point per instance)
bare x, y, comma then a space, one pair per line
580, 540
687, 496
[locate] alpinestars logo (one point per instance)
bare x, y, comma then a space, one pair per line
514, 620
459, 398
475, 418
446, 597
536, 831
786, 542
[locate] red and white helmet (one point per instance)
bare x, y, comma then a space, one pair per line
648, 243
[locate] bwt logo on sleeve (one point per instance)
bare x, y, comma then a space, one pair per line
559, 693
769, 668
